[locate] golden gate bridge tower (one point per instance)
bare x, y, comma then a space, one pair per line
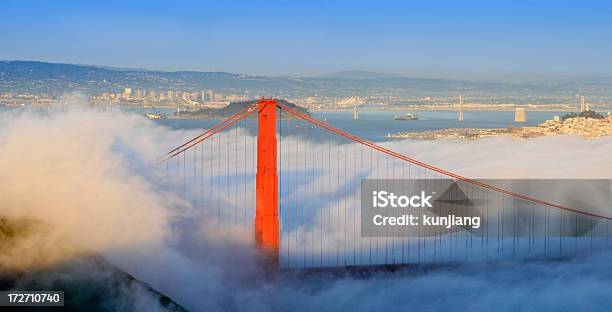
266, 209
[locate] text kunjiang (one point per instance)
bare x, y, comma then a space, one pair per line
412, 220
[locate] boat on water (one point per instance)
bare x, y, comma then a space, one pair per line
154, 116
407, 116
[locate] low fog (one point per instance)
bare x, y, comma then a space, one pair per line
86, 183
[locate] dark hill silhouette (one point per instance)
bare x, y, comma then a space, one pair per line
233, 108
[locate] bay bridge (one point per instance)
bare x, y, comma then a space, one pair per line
295, 183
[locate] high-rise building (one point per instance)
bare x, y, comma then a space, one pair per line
460, 108
582, 106
127, 93
520, 114
210, 95
169, 94
138, 93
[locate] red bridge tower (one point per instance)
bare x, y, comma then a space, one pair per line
266, 213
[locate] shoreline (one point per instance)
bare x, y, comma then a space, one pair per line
580, 126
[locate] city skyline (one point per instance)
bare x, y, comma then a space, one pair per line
473, 40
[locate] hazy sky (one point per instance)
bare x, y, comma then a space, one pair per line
458, 39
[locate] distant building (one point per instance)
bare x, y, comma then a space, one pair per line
210, 95
311, 100
582, 104
520, 114
127, 93
138, 93
218, 97
460, 108
350, 101
231, 98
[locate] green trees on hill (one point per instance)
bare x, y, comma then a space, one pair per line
586, 114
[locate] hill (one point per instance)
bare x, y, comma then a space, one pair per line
89, 282
357, 74
42, 77
233, 108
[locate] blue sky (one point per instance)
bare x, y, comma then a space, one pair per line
487, 40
